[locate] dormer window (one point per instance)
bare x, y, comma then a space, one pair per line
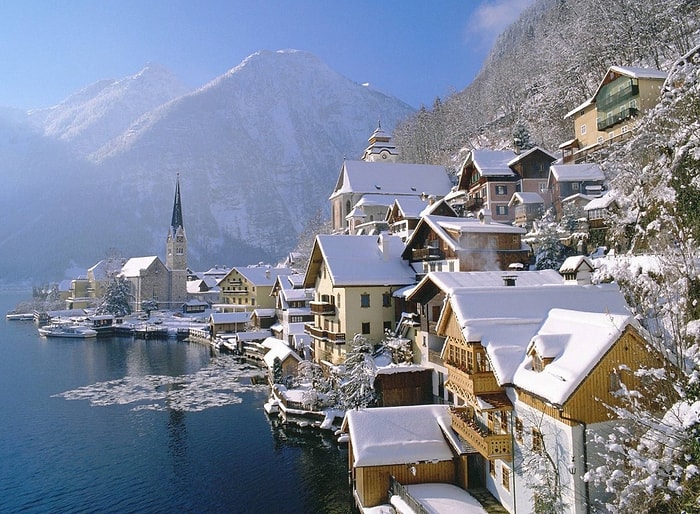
537, 364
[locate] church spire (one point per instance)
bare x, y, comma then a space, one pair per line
177, 208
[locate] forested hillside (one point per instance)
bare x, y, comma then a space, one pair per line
544, 65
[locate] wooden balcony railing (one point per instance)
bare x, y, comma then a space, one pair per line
424, 254
474, 383
490, 445
324, 335
322, 308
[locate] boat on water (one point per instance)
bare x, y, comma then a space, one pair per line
19, 316
63, 330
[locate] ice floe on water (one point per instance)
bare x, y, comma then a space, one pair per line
219, 383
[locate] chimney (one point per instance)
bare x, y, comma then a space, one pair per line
383, 246
509, 280
485, 215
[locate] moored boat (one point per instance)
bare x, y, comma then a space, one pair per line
19, 316
64, 330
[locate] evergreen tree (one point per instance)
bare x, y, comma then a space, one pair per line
277, 371
357, 386
545, 239
117, 297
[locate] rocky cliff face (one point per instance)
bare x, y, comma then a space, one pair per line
258, 150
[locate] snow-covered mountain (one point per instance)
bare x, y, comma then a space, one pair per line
258, 151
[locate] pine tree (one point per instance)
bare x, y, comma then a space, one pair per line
357, 388
116, 300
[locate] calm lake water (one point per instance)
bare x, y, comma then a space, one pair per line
122, 425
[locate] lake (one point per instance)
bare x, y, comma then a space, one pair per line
124, 425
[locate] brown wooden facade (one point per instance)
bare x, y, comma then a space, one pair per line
371, 483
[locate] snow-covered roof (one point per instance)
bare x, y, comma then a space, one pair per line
264, 313
361, 260
277, 349
492, 163
639, 73
575, 341
534, 149
401, 435
576, 172
105, 268
602, 202
411, 206
574, 263
505, 319
525, 198
229, 317
451, 281
262, 275
578, 198
441, 224
392, 178
133, 267
375, 200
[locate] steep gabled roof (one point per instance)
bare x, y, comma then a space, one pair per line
442, 224
359, 260
527, 153
262, 275
505, 320
133, 267
491, 163
575, 342
525, 198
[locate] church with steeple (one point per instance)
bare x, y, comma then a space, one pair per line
150, 279
176, 251
367, 187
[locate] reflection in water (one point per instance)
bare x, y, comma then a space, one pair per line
322, 478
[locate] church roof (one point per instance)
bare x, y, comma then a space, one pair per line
392, 178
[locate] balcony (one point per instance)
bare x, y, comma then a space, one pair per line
424, 254
489, 444
471, 383
322, 308
324, 335
609, 121
473, 204
605, 102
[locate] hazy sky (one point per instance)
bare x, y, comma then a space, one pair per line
412, 49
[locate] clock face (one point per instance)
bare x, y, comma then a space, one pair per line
383, 156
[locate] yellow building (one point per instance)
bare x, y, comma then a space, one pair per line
353, 278
249, 287
610, 114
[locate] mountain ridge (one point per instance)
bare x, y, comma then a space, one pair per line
258, 150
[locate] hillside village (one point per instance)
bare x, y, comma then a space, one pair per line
492, 379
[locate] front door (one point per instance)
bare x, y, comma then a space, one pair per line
476, 472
